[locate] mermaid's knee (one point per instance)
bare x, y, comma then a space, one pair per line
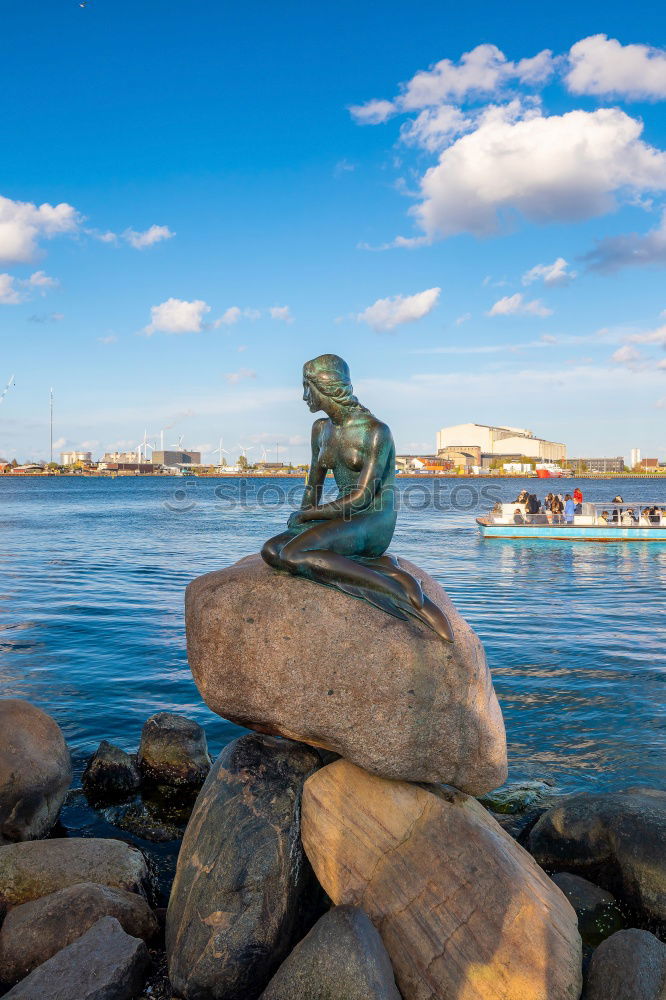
271, 555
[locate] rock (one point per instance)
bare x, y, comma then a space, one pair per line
283, 655
598, 914
105, 963
462, 909
630, 965
243, 888
518, 797
35, 771
38, 868
342, 958
617, 839
110, 772
33, 932
173, 751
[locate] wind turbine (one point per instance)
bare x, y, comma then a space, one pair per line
179, 446
145, 444
264, 455
244, 450
6, 388
220, 450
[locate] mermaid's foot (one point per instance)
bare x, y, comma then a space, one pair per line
434, 618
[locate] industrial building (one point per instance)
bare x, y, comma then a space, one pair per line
176, 458
464, 441
76, 458
607, 466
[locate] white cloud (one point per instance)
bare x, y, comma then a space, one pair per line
14, 291
42, 281
234, 313
229, 317
551, 274
651, 337
24, 224
483, 70
372, 112
629, 250
10, 295
436, 127
282, 313
463, 319
558, 168
344, 167
109, 339
242, 373
177, 316
601, 65
626, 355
515, 305
147, 238
386, 314
59, 443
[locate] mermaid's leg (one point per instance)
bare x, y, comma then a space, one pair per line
325, 553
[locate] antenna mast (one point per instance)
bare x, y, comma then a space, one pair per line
51, 414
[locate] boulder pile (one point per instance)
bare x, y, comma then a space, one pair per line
335, 851
77, 915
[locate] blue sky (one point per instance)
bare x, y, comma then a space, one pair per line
197, 198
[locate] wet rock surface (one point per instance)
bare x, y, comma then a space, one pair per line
34, 932
105, 963
110, 773
630, 965
616, 839
463, 910
342, 958
35, 771
173, 751
244, 892
37, 868
598, 914
313, 664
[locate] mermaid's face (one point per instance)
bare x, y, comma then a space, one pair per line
312, 396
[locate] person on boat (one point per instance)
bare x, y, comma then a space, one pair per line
532, 506
569, 509
618, 499
628, 516
655, 515
578, 500
604, 516
557, 509
518, 516
522, 497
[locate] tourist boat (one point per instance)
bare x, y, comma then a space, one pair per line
597, 522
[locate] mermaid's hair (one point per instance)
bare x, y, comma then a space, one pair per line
330, 375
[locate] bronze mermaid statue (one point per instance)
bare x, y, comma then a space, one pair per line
343, 543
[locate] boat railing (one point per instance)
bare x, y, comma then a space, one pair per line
621, 514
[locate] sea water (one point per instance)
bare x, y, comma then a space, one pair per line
93, 573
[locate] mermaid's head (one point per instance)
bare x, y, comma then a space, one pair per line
328, 375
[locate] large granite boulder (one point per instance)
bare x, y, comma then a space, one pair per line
286, 656
243, 891
33, 932
618, 839
105, 963
342, 958
35, 771
173, 751
40, 867
630, 965
462, 909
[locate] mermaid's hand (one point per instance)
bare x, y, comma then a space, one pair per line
295, 519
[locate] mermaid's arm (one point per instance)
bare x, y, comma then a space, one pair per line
317, 474
379, 448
